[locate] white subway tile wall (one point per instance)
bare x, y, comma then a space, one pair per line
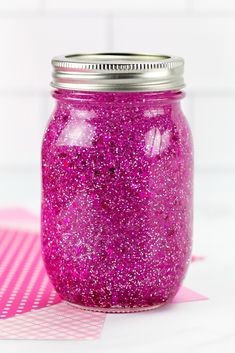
204, 42
22, 5
30, 42
20, 132
32, 31
121, 5
214, 5
214, 132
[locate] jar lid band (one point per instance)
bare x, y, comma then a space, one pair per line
123, 72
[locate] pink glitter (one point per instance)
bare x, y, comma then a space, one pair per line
117, 198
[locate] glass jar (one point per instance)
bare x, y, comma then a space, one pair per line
117, 168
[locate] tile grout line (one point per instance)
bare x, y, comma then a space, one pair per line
42, 12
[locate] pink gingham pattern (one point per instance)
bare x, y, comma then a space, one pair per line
24, 284
60, 322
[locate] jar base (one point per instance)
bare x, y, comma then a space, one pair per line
115, 310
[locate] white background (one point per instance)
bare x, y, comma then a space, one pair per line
33, 31
203, 32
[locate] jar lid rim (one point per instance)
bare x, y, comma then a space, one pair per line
118, 72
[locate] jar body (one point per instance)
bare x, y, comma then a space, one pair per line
117, 198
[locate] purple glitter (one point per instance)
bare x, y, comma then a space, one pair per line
117, 198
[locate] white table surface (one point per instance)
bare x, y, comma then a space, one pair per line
200, 326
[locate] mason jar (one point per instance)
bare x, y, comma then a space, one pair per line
117, 165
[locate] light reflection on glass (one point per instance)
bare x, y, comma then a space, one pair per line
155, 142
79, 130
151, 113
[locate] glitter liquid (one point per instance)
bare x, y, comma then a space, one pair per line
117, 198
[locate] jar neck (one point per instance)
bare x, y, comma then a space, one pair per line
71, 96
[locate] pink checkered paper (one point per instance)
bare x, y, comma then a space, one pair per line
56, 322
64, 322
24, 284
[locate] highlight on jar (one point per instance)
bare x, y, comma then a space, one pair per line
117, 181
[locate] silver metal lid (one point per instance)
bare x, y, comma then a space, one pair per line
108, 72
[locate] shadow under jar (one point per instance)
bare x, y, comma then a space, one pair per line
116, 220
